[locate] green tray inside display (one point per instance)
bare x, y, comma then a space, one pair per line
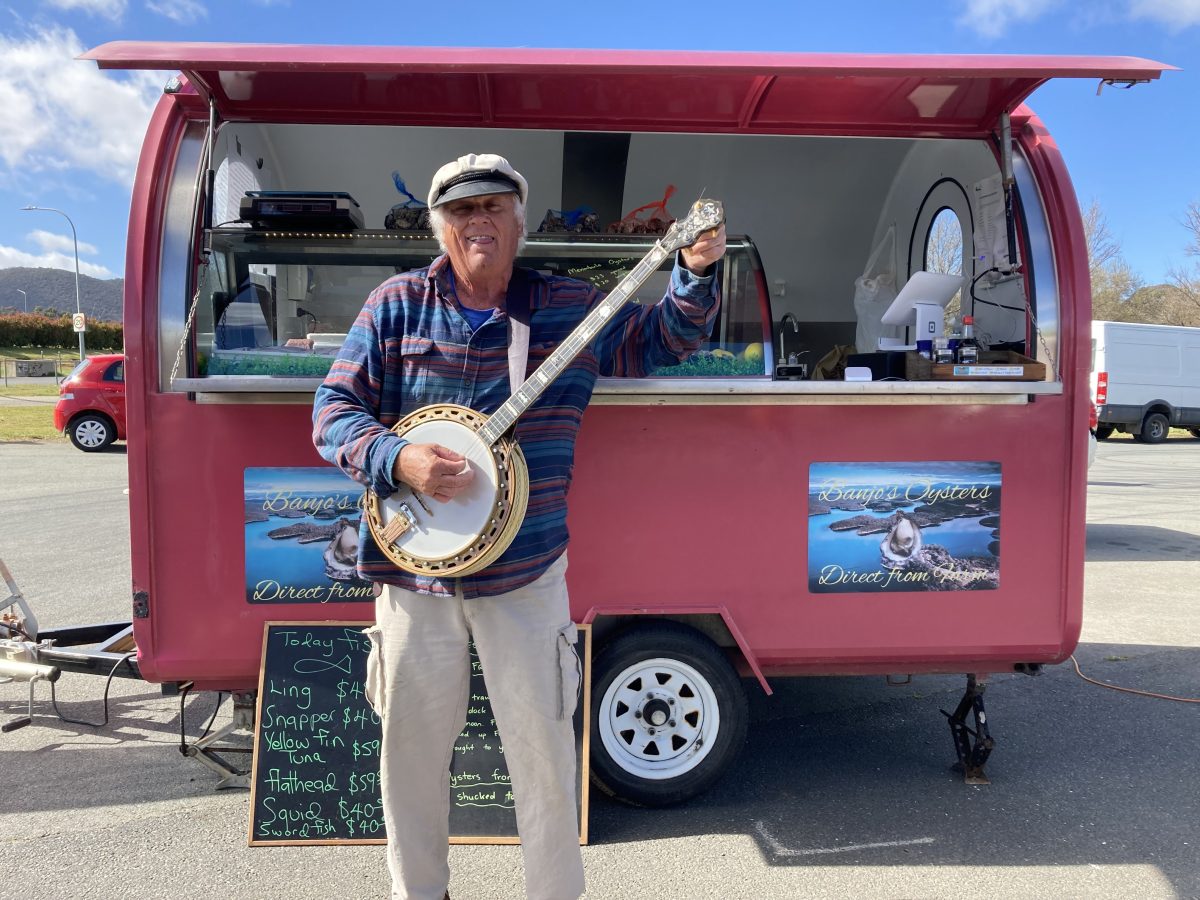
299, 363
281, 361
718, 363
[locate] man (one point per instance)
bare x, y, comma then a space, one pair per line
440, 335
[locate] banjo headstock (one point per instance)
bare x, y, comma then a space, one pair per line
705, 215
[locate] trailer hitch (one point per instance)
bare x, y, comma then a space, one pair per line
973, 746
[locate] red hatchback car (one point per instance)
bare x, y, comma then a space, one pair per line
91, 402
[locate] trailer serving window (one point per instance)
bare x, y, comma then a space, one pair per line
273, 306
276, 304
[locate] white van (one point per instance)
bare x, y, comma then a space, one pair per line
1145, 379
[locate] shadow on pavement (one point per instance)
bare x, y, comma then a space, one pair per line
1140, 543
847, 772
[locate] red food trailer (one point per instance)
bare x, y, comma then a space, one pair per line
813, 493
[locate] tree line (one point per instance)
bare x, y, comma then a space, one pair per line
51, 329
1120, 295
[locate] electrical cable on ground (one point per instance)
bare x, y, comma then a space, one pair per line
213, 718
1126, 690
107, 685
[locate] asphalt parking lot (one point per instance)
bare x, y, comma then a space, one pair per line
844, 788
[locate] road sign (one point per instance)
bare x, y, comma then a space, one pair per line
79, 322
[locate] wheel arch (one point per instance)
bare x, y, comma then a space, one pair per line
716, 623
98, 413
1160, 406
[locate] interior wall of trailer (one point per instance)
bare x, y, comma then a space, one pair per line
952, 174
364, 161
815, 207
247, 163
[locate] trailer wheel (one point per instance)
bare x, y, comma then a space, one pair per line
1195, 432
91, 433
1103, 432
670, 715
1154, 429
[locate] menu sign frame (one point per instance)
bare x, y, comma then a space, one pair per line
315, 774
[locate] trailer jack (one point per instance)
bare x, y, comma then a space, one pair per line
205, 750
973, 746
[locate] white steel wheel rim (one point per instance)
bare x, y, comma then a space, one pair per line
631, 708
91, 433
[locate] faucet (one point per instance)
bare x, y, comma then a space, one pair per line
787, 317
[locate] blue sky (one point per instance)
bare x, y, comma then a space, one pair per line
69, 134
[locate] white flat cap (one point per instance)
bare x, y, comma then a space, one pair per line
473, 175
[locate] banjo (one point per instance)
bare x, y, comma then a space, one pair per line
472, 530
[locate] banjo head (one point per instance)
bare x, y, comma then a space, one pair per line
426, 537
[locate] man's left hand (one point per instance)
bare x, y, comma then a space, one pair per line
706, 251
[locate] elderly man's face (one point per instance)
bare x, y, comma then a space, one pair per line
481, 234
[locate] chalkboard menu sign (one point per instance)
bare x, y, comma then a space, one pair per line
316, 746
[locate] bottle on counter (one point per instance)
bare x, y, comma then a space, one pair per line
968, 348
955, 337
941, 351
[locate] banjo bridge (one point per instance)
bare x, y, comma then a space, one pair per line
399, 524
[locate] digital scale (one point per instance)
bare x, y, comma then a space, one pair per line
301, 211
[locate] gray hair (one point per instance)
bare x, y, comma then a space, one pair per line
437, 221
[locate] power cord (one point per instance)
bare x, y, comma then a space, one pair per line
107, 685
183, 695
975, 299
1126, 690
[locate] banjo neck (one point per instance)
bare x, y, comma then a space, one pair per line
556, 363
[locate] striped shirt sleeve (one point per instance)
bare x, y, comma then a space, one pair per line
346, 427
641, 339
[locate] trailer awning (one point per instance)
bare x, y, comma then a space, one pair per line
617, 90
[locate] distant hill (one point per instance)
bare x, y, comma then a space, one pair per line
55, 289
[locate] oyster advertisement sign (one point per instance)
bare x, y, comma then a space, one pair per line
302, 536
903, 526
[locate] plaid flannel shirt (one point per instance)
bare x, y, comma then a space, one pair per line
411, 347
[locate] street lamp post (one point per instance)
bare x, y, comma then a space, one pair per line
75, 240
24, 297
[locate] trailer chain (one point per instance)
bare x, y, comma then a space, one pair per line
191, 319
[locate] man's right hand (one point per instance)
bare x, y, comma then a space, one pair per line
434, 470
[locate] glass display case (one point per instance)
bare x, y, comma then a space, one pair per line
280, 303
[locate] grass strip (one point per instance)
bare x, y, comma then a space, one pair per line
22, 423
16, 389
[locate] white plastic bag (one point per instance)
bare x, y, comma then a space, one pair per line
874, 292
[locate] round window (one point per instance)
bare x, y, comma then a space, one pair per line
944, 243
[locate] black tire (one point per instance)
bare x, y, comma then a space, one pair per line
92, 432
1104, 432
1195, 432
1155, 428
658, 669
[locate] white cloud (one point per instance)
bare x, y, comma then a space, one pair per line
109, 9
61, 242
11, 256
1175, 14
62, 114
991, 18
184, 12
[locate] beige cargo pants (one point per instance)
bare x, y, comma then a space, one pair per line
417, 680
